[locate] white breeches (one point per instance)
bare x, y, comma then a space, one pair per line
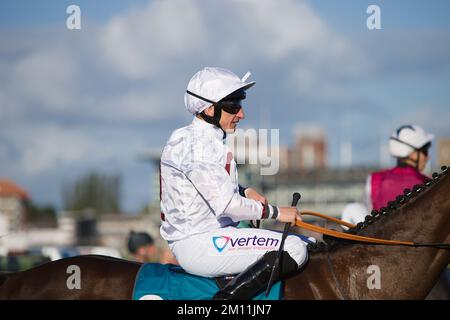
231, 250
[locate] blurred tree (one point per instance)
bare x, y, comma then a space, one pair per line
40, 216
97, 192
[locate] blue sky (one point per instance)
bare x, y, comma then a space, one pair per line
97, 98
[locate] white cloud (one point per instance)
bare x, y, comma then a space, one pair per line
42, 147
292, 27
45, 146
138, 43
121, 70
46, 77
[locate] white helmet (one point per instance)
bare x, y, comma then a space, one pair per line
407, 139
210, 85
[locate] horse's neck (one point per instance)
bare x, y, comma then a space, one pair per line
424, 218
405, 272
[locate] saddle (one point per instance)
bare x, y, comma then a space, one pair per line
171, 282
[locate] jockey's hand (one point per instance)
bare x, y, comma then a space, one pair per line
252, 194
288, 215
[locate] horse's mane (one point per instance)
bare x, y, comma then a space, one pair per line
375, 215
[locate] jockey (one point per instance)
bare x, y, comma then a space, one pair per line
410, 145
141, 246
202, 202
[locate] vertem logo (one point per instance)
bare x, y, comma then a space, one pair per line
221, 242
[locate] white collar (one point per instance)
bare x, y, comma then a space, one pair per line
208, 126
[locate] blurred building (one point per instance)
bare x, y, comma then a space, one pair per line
83, 233
12, 206
309, 151
443, 152
22, 240
91, 236
324, 190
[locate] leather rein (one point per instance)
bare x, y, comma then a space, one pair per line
354, 237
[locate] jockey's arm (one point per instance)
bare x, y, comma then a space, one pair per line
241, 208
251, 194
222, 195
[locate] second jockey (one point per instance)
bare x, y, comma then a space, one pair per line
202, 202
410, 144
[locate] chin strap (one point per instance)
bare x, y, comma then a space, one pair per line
215, 120
406, 161
417, 160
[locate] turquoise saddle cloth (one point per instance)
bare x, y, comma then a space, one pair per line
170, 282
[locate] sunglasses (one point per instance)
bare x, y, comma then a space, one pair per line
231, 106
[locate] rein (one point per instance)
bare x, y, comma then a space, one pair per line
362, 239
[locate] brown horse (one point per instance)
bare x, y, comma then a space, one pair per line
338, 270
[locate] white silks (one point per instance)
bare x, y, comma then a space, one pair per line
199, 184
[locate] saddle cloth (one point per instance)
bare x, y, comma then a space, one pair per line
156, 281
